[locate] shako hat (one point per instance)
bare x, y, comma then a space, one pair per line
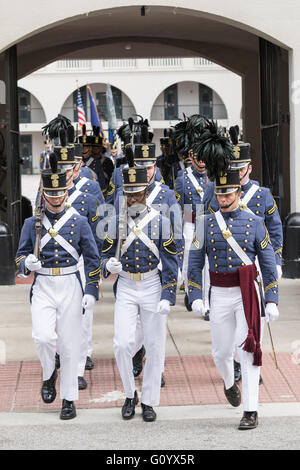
134, 179
241, 150
54, 180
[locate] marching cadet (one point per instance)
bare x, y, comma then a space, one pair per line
125, 132
91, 151
190, 188
133, 249
162, 199
58, 237
255, 199
84, 183
232, 238
85, 205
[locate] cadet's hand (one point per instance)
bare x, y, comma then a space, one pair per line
271, 311
88, 301
32, 263
114, 266
279, 271
198, 307
163, 307
179, 278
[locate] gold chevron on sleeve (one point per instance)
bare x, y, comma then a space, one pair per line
270, 286
194, 284
94, 273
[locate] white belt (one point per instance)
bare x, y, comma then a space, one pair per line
139, 276
58, 271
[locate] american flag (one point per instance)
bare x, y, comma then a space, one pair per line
80, 110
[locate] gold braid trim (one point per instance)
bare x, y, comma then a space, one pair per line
91, 282
273, 209
94, 273
17, 261
278, 251
193, 284
266, 240
167, 243
270, 286
110, 241
171, 284
112, 190
210, 208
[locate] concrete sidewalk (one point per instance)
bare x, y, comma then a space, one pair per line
192, 399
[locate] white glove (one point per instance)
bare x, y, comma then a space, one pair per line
32, 263
114, 266
279, 271
271, 312
88, 302
198, 307
163, 307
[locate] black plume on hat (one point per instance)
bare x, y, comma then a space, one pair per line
129, 156
63, 137
52, 128
214, 150
180, 137
71, 134
234, 135
53, 162
124, 132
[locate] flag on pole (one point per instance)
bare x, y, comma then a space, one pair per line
112, 118
95, 119
80, 110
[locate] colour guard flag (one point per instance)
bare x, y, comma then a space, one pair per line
112, 118
95, 119
80, 110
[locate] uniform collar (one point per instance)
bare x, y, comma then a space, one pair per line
71, 190
232, 214
75, 180
197, 173
52, 215
246, 186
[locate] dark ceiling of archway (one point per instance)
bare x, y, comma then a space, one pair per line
163, 32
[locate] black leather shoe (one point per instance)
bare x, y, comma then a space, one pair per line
68, 410
137, 362
237, 371
82, 385
206, 316
128, 409
48, 390
148, 413
188, 306
162, 382
233, 395
89, 365
249, 420
57, 361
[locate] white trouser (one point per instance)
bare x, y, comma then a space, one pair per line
228, 328
139, 340
136, 298
188, 233
86, 328
56, 320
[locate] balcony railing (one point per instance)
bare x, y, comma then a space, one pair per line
170, 113
120, 64
165, 62
31, 115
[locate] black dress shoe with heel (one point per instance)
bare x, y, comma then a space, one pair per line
137, 361
48, 390
233, 395
128, 409
68, 410
82, 385
249, 420
89, 365
237, 371
148, 413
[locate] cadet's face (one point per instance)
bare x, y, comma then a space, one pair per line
86, 151
198, 165
245, 173
228, 202
55, 204
150, 173
136, 198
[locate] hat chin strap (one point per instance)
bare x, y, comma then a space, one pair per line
55, 206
